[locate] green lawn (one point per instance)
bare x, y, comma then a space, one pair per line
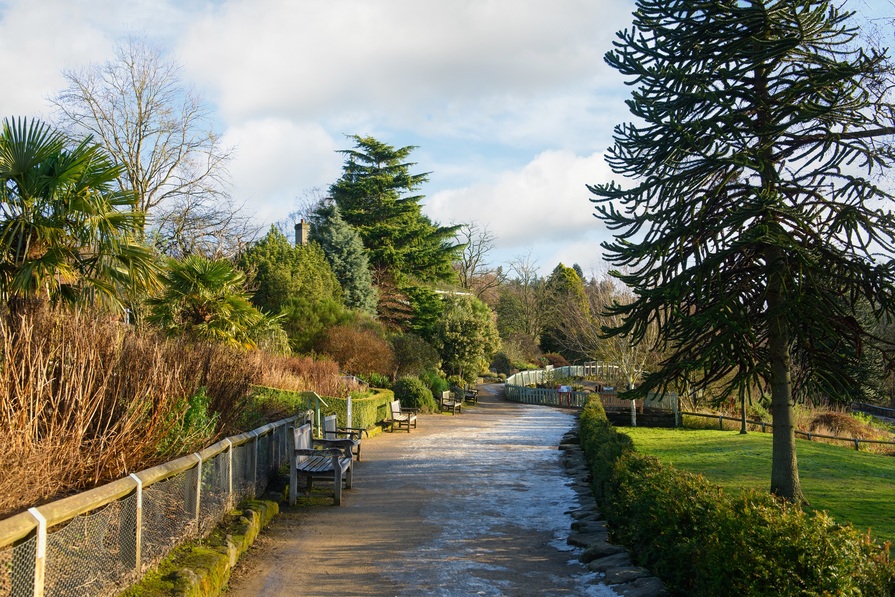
852, 486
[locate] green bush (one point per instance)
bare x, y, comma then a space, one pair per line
702, 542
413, 393
435, 382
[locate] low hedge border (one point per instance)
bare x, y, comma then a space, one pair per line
366, 412
703, 542
202, 568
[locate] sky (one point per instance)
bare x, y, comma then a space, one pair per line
509, 102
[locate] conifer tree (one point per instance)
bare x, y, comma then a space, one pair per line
376, 195
751, 228
344, 251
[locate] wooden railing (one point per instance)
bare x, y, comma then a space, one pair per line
764, 427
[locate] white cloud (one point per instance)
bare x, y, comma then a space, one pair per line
415, 65
276, 160
545, 202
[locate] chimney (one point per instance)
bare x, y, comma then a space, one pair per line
302, 230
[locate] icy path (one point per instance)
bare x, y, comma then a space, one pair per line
472, 504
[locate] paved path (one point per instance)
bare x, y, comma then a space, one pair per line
472, 504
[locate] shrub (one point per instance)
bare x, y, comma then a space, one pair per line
555, 359
413, 355
702, 542
358, 351
435, 382
501, 363
413, 393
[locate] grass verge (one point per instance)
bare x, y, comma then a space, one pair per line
852, 486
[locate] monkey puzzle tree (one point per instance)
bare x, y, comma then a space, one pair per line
748, 230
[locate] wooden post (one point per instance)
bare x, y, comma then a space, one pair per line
293, 474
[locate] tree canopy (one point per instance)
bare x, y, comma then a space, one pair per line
465, 336
376, 194
281, 271
750, 228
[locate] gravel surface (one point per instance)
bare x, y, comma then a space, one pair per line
472, 504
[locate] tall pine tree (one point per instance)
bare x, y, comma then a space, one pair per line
748, 230
376, 195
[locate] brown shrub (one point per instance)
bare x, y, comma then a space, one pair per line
841, 424
358, 351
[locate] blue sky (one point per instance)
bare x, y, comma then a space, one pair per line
509, 101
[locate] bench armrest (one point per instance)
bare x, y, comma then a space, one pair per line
355, 430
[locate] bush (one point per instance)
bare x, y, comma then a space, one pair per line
413, 393
557, 360
358, 351
702, 542
501, 363
435, 382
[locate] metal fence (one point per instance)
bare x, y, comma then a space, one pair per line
516, 389
101, 541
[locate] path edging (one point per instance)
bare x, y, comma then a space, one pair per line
589, 532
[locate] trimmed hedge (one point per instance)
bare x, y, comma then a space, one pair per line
701, 541
366, 412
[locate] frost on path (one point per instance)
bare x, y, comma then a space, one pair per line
498, 501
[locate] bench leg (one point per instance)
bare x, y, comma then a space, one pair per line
337, 486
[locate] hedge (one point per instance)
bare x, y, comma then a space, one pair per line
366, 412
703, 542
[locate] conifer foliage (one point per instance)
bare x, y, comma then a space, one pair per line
375, 195
751, 227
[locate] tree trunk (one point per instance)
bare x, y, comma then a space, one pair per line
784, 467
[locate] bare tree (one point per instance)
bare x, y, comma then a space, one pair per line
160, 130
472, 267
521, 309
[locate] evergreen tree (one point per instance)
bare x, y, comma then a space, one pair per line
465, 336
376, 195
344, 251
747, 229
281, 271
564, 294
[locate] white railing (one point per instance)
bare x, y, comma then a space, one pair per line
100, 541
516, 388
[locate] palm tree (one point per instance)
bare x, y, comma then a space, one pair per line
207, 299
66, 230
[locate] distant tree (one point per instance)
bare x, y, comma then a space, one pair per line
746, 227
207, 299
66, 230
137, 106
375, 195
345, 253
280, 271
521, 306
563, 293
474, 272
465, 336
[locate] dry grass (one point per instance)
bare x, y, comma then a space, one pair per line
86, 399
301, 374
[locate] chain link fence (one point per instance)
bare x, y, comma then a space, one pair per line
101, 541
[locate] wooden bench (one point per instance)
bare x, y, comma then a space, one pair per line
451, 401
471, 395
329, 464
402, 417
331, 431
